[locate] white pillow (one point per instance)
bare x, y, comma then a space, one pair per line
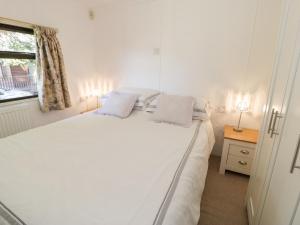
199, 112
174, 109
145, 95
200, 105
118, 104
201, 116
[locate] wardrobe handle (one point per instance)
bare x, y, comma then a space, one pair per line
271, 120
294, 166
277, 116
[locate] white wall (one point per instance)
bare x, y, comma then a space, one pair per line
207, 48
76, 37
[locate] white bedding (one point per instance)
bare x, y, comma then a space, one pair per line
100, 170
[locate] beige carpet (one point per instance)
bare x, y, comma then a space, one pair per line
223, 197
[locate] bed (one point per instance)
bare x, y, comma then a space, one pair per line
100, 170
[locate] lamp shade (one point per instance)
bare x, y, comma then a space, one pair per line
96, 92
243, 105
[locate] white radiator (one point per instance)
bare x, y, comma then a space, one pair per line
14, 119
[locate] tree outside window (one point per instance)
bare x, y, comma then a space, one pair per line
17, 64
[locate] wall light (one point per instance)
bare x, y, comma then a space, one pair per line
92, 89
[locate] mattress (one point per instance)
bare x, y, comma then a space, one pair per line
101, 170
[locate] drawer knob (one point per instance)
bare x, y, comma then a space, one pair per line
243, 163
245, 152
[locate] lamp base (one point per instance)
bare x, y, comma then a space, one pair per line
236, 129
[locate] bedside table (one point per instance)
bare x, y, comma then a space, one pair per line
238, 150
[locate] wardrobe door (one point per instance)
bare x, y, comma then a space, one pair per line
297, 215
282, 200
279, 93
273, 124
265, 149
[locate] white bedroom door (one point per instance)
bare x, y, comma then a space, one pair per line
282, 201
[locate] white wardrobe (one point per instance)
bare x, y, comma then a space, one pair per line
273, 196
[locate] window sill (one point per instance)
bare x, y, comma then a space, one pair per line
18, 101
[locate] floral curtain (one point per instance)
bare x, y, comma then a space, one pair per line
52, 83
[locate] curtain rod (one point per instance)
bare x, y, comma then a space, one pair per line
21, 23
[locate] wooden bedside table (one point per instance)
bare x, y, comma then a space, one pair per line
238, 150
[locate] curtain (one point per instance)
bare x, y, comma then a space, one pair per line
51, 75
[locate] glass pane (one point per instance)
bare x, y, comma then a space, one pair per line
17, 78
16, 42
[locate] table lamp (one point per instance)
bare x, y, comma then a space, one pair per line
97, 94
242, 106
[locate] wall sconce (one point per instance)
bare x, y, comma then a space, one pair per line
85, 100
93, 89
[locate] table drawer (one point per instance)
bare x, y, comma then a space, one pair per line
239, 164
241, 151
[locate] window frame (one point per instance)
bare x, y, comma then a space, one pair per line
17, 55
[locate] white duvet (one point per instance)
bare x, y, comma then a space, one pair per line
100, 170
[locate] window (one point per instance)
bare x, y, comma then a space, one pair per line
17, 63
